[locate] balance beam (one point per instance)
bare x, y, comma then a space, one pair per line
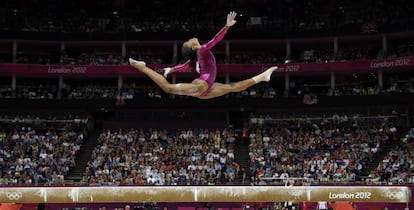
114, 194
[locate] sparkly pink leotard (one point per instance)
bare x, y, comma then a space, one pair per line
206, 60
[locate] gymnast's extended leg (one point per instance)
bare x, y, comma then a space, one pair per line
219, 89
190, 89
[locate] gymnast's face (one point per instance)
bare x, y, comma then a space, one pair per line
193, 43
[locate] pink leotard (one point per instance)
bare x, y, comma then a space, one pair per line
206, 60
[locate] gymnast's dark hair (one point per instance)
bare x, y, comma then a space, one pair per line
190, 54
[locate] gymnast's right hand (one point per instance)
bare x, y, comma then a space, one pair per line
231, 19
167, 71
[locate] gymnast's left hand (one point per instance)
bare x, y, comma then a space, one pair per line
167, 71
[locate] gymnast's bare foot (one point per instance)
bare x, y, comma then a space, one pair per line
137, 64
265, 76
268, 73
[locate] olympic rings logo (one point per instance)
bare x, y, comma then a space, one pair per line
394, 195
14, 195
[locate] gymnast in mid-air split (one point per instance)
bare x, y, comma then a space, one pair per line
201, 59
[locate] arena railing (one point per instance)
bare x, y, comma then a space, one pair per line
232, 69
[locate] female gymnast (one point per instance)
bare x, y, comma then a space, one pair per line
201, 57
